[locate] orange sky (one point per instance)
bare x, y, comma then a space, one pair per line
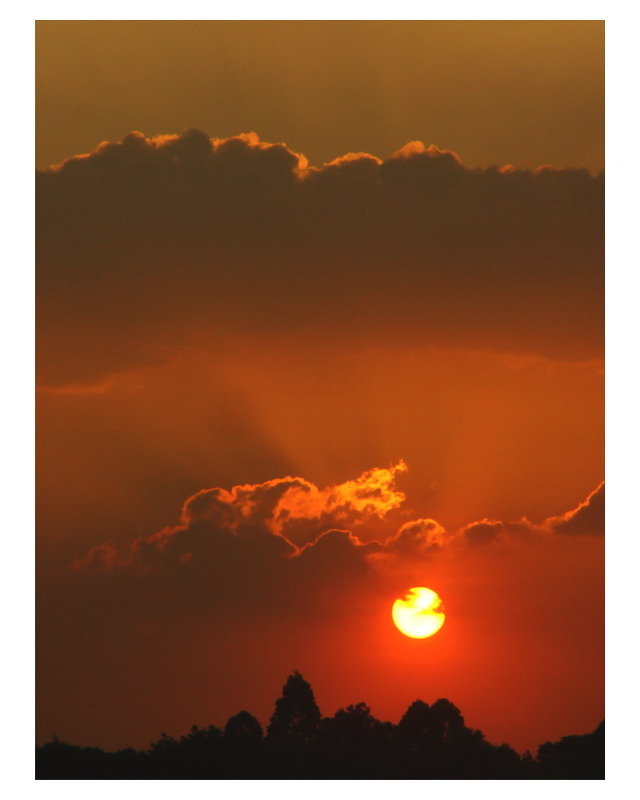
220, 313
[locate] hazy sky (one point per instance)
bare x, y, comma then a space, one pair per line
496, 92
275, 394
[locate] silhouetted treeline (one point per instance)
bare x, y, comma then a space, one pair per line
429, 742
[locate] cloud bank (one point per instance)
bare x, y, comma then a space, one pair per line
151, 244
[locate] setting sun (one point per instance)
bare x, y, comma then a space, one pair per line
419, 613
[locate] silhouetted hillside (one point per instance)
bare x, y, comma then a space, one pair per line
429, 742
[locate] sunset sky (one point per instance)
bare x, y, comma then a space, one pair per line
320, 318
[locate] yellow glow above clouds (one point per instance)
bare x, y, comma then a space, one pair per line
419, 613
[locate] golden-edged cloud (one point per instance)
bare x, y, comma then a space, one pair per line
289, 514
289, 535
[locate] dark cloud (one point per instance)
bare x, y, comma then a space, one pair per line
489, 531
333, 555
585, 520
419, 538
482, 532
230, 556
272, 507
233, 544
150, 244
238, 540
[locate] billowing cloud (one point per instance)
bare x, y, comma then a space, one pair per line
221, 238
283, 534
304, 509
418, 538
266, 520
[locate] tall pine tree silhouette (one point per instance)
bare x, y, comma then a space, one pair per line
296, 719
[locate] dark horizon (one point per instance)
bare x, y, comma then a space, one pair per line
428, 742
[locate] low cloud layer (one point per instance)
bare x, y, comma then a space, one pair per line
240, 541
147, 245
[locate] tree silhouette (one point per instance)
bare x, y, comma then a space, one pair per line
433, 742
196, 755
243, 755
447, 721
243, 727
296, 719
293, 730
416, 728
354, 745
574, 757
429, 742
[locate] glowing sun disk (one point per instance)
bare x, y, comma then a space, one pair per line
419, 613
